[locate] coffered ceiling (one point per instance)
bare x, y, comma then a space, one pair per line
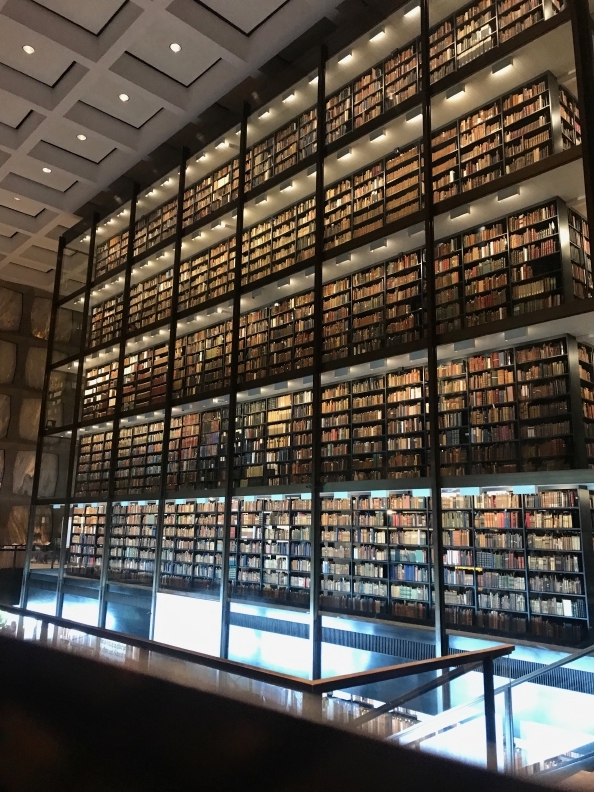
66, 130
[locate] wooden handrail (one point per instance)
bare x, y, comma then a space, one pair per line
317, 686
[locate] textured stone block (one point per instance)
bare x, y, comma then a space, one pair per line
48, 478
40, 317
35, 367
22, 473
63, 326
4, 414
8, 362
15, 531
29, 419
11, 309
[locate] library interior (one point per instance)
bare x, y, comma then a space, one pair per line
314, 333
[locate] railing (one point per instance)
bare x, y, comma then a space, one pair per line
317, 688
565, 763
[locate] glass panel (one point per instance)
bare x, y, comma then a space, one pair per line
84, 610
74, 265
131, 619
61, 395
111, 243
53, 471
85, 540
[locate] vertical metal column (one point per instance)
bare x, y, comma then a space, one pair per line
169, 379
117, 406
233, 391
490, 713
582, 39
584, 504
76, 410
315, 620
576, 406
41, 435
441, 637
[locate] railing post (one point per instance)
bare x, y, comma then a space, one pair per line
490, 713
508, 731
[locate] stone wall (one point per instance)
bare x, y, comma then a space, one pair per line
24, 328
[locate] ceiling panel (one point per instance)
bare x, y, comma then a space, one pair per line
63, 134
13, 109
32, 169
47, 64
20, 203
104, 96
91, 16
244, 15
7, 231
196, 55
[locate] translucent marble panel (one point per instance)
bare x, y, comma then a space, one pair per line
8, 362
35, 367
29, 419
11, 309
4, 414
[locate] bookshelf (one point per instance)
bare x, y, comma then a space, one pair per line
99, 391
150, 300
277, 338
506, 411
208, 275
106, 321
155, 226
111, 254
375, 554
273, 443
280, 242
197, 448
270, 549
86, 540
92, 472
192, 544
132, 542
580, 256
211, 193
202, 361
514, 561
373, 428
284, 149
585, 367
138, 466
144, 378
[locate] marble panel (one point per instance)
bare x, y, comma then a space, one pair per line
35, 367
4, 414
8, 362
29, 419
11, 309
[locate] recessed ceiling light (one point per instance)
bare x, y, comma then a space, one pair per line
124, 97
175, 47
16, 198
47, 170
28, 49
81, 137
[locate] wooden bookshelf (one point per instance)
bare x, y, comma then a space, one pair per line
106, 321
150, 300
99, 391
144, 379
374, 428
273, 444
376, 555
208, 275
585, 354
86, 540
513, 553
212, 192
270, 549
155, 226
282, 150
580, 256
527, 121
111, 254
506, 411
192, 544
197, 448
279, 242
92, 471
276, 338
138, 466
476, 31
133, 541
202, 361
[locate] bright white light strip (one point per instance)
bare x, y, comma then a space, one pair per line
344, 58
378, 34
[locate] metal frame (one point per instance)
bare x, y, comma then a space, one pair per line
578, 14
